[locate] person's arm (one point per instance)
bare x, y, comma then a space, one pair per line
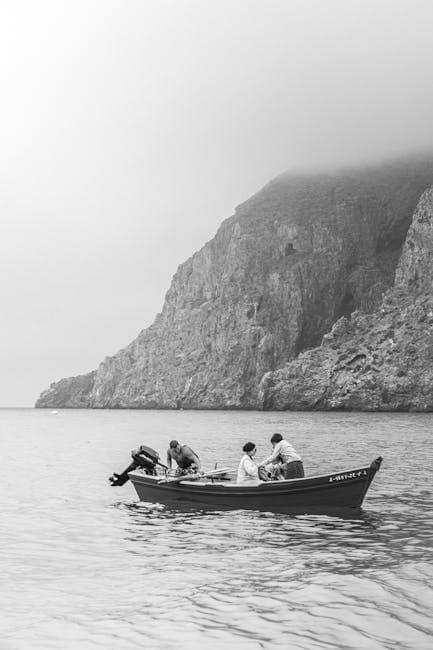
197, 461
273, 457
251, 468
190, 455
169, 459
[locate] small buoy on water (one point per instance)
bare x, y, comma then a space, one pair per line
54, 412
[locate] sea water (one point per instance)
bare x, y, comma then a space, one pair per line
84, 565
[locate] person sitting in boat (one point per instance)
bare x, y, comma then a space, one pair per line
248, 472
285, 461
186, 459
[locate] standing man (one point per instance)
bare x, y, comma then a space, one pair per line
186, 459
285, 458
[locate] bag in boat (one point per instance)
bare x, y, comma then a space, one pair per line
264, 475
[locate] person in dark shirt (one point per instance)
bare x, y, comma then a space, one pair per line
185, 458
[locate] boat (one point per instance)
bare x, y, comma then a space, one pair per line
336, 491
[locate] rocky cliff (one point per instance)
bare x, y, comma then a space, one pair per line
379, 361
292, 260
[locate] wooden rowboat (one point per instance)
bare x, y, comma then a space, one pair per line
339, 490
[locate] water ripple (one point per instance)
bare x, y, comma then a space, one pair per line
84, 566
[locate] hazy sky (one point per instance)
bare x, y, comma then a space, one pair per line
129, 129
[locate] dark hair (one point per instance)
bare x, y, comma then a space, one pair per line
173, 443
248, 446
277, 437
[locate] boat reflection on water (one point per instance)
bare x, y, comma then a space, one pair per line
172, 511
341, 541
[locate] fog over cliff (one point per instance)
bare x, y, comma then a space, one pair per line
130, 130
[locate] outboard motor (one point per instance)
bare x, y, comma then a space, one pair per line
144, 457
147, 458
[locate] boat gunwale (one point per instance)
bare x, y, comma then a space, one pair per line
285, 486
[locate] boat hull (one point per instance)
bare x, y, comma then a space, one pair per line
340, 490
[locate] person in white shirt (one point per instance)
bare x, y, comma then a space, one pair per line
248, 472
285, 460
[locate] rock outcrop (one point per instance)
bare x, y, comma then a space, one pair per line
69, 393
292, 260
381, 361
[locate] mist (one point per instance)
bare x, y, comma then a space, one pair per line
130, 130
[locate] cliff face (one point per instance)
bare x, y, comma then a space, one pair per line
69, 393
293, 259
379, 361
